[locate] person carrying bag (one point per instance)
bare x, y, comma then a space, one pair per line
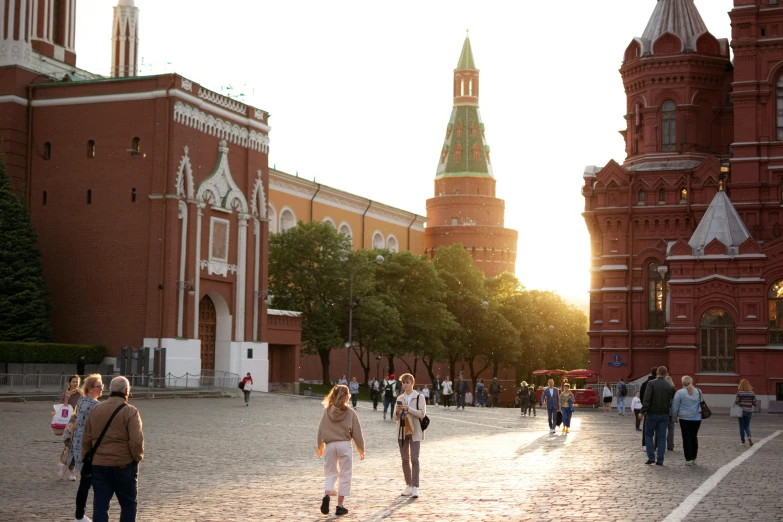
87, 460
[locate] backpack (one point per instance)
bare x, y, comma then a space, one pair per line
623, 390
389, 390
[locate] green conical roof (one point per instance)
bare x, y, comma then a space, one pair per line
465, 133
466, 56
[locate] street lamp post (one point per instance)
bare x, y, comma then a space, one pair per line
377, 365
378, 260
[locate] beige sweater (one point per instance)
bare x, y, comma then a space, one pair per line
338, 425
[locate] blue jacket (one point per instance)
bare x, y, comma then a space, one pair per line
552, 401
686, 406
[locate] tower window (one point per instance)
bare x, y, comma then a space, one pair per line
458, 153
443, 155
136, 146
459, 129
669, 121
44, 198
133, 195
89, 197
642, 196
683, 196
91, 149
47, 151
474, 130
476, 153
661, 197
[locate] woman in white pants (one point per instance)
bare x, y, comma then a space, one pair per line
339, 425
408, 412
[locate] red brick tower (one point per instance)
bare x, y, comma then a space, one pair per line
465, 209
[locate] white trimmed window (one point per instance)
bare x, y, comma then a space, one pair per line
330, 221
272, 217
218, 240
391, 243
345, 229
377, 240
287, 219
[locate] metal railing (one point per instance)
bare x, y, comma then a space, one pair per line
209, 383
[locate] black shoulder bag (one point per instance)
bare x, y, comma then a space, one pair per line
87, 462
706, 412
425, 421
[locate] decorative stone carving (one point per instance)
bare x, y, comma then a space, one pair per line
220, 189
223, 101
184, 181
194, 118
217, 268
187, 85
258, 201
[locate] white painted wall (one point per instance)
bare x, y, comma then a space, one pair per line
258, 366
182, 355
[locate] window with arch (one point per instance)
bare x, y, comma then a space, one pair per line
443, 155
717, 341
669, 126
91, 149
271, 216
287, 220
656, 297
391, 244
329, 221
136, 146
377, 240
476, 153
775, 310
642, 196
474, 130
345, 230
661, 197
779, 107
459, 129
684, 196
458, 152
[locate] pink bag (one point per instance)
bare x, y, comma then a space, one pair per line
62, 414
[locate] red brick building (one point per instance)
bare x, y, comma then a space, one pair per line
465, 209
687, 265
149, 197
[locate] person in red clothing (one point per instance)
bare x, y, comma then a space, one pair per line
247, 387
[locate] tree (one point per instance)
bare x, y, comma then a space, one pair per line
492, 341
24, 307
308, 272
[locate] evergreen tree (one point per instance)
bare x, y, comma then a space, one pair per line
24, 308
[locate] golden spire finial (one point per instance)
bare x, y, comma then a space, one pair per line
720, 186
467, 32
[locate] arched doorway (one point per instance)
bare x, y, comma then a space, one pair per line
207, 329
717, 341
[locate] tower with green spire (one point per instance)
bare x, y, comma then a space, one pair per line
465, 209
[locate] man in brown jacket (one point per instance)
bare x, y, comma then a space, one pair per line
115, 468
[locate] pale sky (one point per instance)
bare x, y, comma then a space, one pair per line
360, 95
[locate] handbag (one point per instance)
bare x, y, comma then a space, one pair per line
559, 417
736, 411
87, 460
706, 412
425, 421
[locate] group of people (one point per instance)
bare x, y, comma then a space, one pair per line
558, 401
340, 426
107, 434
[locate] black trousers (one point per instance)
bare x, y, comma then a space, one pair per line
354, 398
690, 440
638, 420
375, 401
81, 496
531, 407
446, 401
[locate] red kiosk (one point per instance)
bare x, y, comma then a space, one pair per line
582, 396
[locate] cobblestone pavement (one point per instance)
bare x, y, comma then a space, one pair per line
215, 460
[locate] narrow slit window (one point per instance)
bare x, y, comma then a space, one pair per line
661, 196
133, 195
43, 202
89, 197
47, 151
669, 121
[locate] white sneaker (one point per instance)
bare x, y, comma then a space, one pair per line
407, 491
60, 470
72, 476
415, 492
83, 519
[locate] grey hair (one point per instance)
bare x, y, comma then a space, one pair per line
119, 384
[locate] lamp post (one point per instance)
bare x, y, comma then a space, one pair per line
378, 260
377, 365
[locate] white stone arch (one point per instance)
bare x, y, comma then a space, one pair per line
285, 220
346, 230
392, 244
184, 180
329, 220
222, 332
271, 216
258, 206
377, 240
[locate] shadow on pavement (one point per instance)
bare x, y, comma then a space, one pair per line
546, 443
395, 506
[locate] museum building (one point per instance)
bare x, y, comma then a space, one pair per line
687, 253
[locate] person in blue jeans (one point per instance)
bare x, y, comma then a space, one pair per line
655, 408
115, 469
746, 398
567, 406
622, 392
551, 398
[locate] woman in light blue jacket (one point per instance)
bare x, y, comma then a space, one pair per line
686, 409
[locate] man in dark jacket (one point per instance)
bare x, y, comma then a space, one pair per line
436, 389
80, 363
462, 389
650, 377
656, 404
494, 389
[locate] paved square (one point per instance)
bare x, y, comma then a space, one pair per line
215, 460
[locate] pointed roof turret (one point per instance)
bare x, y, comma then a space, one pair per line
466, 57
678, 17
721, 222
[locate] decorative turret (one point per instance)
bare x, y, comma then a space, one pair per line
54, 30
677, 17
125, 40
15, 32
722, 222
466, 78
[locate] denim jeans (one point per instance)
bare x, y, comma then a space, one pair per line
386, 402
552, 417
567, 417
81, 496
108, 481
621, 404
655, 426
437, 397
461, 400
494, 400
744, 425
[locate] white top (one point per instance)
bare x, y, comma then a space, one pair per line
426, 392
636, 403
446, 387
607, 391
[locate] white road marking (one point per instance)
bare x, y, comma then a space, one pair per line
687, 505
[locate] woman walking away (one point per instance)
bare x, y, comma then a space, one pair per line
747, 400
247, 387
607, 395
409, 411
339, 425
567, 406
71, 397
446, 392
686, 409
670, 426
636, 406
533, 401
92, 389
522, 394
353, 387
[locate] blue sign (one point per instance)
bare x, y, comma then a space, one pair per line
616, 358
616, 362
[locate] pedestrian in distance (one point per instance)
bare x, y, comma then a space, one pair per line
567, 407
653, 372
115, 461
484, 397
607, 398
375, 392
522, 397
532, 401
479, 392
71, 397
447, 392
636, 406
92, 388
551, 399
342, 380
426, 394
746, 398
389, 390
494, 389
80, 363
247, 387
461, 390
670, 426
353, 386
686, 409
436, 389
656, 406
409, 411
622, 393
339, 426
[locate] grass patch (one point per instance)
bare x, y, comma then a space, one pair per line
323, 390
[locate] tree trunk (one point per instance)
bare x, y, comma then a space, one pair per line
360, 356
495, 369
415, 365
429, 365
324, 355
452, 366
391, 364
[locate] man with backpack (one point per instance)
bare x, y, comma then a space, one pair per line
622, 393
389, 391
494, 389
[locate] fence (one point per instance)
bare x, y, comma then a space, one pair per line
209, 383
